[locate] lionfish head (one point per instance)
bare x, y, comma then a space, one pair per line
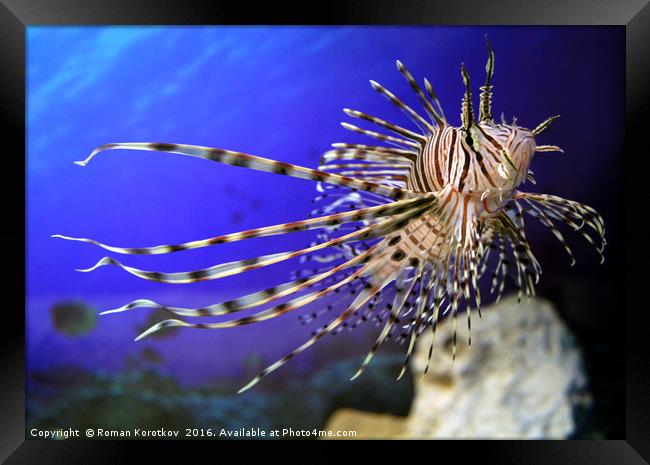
512, 145
515, 146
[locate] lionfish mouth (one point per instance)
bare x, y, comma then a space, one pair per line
405, 229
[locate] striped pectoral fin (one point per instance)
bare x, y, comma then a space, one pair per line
214, 272
438, 300
468, 264
500, 269
424, 290
511, 234
544, 206
363, 214
223, 308
402, 293
356, 304
526, 265
534, 263
503, 268
576, 210
223, 270
254, 299
519, 277
475, 274
546, 221
454, 297
352, 288
244, 160
522, 263
272, 312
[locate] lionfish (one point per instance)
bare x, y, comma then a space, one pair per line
406, 227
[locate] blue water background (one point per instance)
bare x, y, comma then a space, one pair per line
276, 92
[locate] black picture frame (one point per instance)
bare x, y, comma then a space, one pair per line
634, 15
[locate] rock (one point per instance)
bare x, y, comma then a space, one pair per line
366, 425
522, 377
73, 318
